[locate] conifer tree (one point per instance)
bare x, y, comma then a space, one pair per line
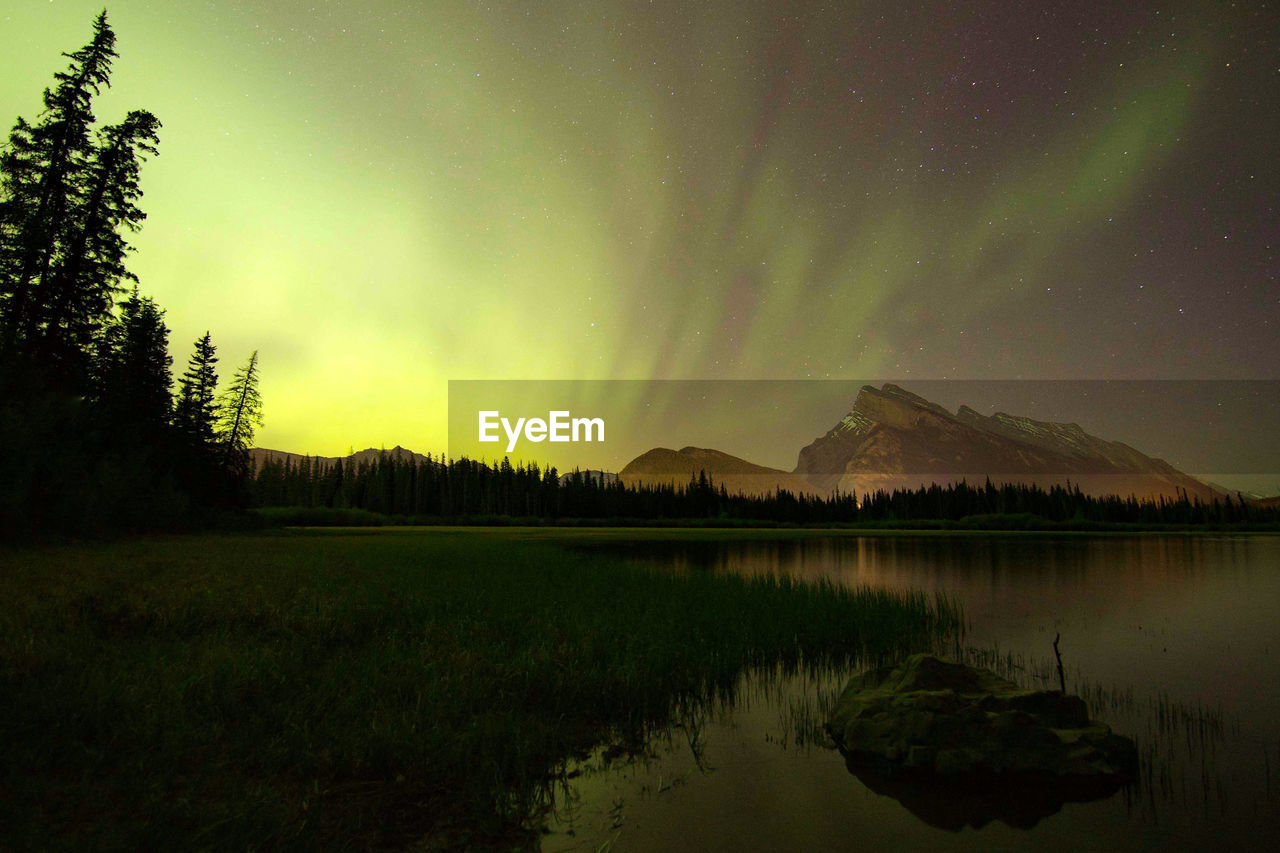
42, 171
63, 200
195, 413
137, 379
82, 283
239, 412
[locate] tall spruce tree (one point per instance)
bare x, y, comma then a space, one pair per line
137, 379
83, 282
239, 412
195, 413
42, 172
64, 197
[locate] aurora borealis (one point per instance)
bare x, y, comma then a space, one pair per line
383, 196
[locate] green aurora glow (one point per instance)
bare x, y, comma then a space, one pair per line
384, 196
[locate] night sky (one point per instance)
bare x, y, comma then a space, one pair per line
383, 196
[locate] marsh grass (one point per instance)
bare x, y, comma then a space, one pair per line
1190, 755
366, 691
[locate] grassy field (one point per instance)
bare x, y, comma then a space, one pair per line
364, 690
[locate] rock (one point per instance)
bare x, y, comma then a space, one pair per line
961, 746
930, 716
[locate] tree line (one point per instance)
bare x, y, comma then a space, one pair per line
459, 489
92, 434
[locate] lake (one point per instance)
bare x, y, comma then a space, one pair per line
1171, 639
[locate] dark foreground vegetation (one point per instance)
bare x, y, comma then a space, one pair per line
401, 489
348, 691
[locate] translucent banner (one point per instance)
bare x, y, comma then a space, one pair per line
1145, 437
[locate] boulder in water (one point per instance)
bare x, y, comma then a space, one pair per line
932, 717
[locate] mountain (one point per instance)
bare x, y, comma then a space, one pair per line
892, 438
591, 475
259, 455
662, 466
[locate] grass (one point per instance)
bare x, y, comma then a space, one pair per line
348, 690
1179, 743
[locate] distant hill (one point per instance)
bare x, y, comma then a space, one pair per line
259, 455
893, 439
662, 466
592, 475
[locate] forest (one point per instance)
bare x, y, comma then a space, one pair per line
92, 436
407, 489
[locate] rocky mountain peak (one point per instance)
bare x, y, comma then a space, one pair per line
893, 405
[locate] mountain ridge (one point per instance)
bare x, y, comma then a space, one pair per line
663, 466
892, 439
259, 455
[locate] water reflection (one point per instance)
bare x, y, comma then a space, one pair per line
1169, 639
954, 805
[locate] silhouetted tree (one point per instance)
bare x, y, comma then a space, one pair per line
239, 412
82, 282
195, 413
43, 172
63, 200
136, 377
86, 412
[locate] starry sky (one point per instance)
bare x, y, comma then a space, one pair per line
383, 196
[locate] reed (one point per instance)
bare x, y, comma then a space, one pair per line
365, 690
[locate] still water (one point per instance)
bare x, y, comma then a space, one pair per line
1172, 640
